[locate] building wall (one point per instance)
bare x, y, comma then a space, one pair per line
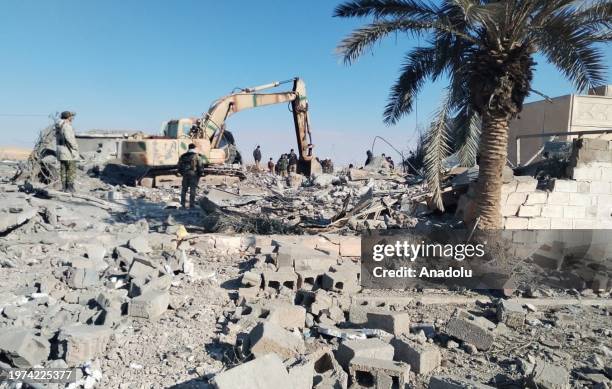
536, 118
569, 113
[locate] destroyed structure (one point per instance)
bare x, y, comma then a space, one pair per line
261, 288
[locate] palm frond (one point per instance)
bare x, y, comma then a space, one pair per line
572, 50
384, 8
466, 131
597, 13
436, 149
354, 45
418, 65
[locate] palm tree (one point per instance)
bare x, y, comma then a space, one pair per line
486, 50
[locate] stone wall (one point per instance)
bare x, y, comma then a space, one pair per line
582, 202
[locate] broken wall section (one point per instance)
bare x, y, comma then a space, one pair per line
582, 202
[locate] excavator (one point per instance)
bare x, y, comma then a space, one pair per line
153, 156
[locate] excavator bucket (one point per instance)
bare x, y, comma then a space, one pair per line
309, 168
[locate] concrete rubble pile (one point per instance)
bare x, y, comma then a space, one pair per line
118, 283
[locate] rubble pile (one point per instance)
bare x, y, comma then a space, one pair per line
133, 292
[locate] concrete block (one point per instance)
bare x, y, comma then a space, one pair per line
396, 323
594, 144
283, 260
341, 281
560, 223
600, 187
516, 223
511, 313
583, 199
606, 174
469, 329
269, 337
548, 376
378, 373
368, 348
422, 358
574, 212
515, 198
150, 305
525, 184
454, 382
322, 302
251, 278
22, 348
140, 244
584, 187
585, 173
529, 210
558, 198
538, 197
552, 211
286, 315
567, 186
143, 269
310, 279
301, 374
80, 343
266, 371
585, 224
509, 187
276, 279
509, 209
82, 278
539, 223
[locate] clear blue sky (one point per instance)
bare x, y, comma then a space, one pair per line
132, 64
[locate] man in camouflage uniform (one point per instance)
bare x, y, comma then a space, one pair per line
190, 167
283, 164
293, 161
67, 150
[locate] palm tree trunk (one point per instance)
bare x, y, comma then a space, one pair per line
493, 151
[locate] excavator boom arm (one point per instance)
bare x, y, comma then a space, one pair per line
220, 110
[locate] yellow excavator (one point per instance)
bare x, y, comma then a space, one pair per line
152, 156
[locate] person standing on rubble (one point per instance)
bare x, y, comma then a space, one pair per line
283, 164
271, 166
191, 168
257, 157
293, 160
67, 150
369, 157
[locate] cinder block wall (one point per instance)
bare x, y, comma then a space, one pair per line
582, 202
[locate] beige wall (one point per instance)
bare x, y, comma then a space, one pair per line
538, 117
569, 113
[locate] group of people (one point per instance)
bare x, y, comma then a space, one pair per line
388, 160
287, 163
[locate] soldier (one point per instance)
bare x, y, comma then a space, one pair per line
190, 167
293, 160
257, 157
283, 163
271, 166
67, 150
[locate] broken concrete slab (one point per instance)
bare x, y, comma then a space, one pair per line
396, 323
150, 305
269, 337
266, 371
11, 220
370, 348
511, 313
79, 343
422, 358
287, 315
378, 373
22, 348
143, 268
301, 373
82, 278
140, 244
454, 382
548, 376
470, 329
251, 278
